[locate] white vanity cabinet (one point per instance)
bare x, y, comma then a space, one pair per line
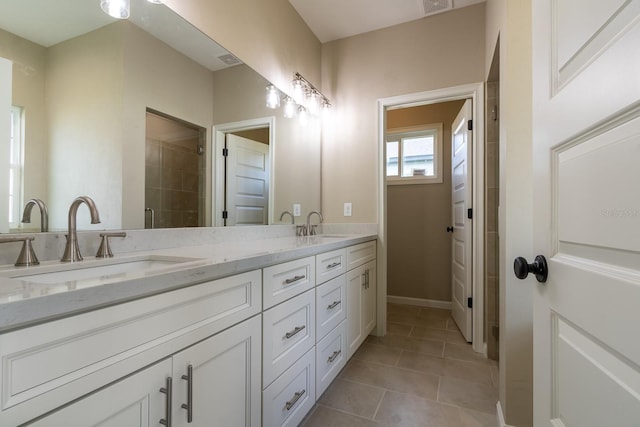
361, 294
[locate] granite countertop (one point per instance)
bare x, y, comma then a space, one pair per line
26, 302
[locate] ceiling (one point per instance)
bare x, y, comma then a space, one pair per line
336, 19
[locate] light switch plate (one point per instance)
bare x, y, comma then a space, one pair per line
296, 209
347, 209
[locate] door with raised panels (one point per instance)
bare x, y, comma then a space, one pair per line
586, 137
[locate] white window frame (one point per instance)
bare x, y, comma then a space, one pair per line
398, 134
16, 166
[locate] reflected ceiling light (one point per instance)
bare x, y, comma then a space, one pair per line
117, 8
289, 108
155, 1
302, 116
273, 97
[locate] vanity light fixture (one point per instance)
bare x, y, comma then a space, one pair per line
298, 89
273, 97
303, 91
303, 118
289, 108
314, 103
116, 8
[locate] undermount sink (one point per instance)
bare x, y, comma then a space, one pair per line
101, 271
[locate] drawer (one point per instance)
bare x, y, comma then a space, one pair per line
284, 281
288, 332
48, 365
331, 357
331, 305
330, 265
360, 254
292, 395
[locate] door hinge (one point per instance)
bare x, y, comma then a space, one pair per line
225, 214
200, 150
470, 302
470, 125
470, 213
225, 152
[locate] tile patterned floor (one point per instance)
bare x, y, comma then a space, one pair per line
422, 373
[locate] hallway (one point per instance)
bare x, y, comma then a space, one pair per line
422, 373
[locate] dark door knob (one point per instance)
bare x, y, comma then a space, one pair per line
449, 229
538, 267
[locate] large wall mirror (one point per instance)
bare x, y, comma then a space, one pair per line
135, 114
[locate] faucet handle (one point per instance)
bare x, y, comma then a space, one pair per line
104, 251
27, 255
313, 230
301, 230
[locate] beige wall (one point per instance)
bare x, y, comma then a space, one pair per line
511, 21
418, 245
28, 92
436, 52
267, 35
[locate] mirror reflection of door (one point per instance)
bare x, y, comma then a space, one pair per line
174, 172
247, 166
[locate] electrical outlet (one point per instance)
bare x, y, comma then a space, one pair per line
347, 209
296, 209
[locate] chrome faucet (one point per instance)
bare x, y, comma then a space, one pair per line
311, 230
44, 215
287, 213
72, 250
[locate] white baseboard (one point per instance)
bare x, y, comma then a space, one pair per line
419, 302
501, 422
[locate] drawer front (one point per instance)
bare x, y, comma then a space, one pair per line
331, 305
331, 357
288, 333
330, 265
360, 254
53, 363
284, 281
292, 395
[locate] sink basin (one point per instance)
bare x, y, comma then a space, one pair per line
99, 271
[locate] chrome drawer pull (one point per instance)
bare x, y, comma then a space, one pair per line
334, 305
334, 356
295, 331
293, 280
293, 401
189, 405
166, 421
333, 265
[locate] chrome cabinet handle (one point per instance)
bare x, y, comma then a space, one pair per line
364, 280
333, 305
189, 405
294, 279
333, 265
166, 421
334, 356
295, 398
295, 331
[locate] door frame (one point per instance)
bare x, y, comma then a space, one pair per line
475, 92
219, 132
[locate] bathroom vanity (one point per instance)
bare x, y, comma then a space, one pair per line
237, 335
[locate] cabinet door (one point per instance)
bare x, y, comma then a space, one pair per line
224, 379
355, 285
135, 401
369, 298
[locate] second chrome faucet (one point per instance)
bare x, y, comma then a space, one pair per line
72, 250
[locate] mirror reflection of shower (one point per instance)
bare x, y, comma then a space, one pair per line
175, 170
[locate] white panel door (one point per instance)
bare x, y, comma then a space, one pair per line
586, 136
461, 269
247, 181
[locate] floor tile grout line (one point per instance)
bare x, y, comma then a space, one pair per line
375, 413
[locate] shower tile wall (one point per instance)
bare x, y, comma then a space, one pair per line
173, 183
491, 225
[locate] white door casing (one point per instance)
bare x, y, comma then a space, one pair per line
6, 69
586, 136
247, 173
461, 199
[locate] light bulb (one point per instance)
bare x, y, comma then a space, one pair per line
314, 103
298, 91
117, 8
302, 116
289, 108
273, 97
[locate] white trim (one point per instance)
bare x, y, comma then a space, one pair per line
421, 302
474, 91
501, 422
219, 132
